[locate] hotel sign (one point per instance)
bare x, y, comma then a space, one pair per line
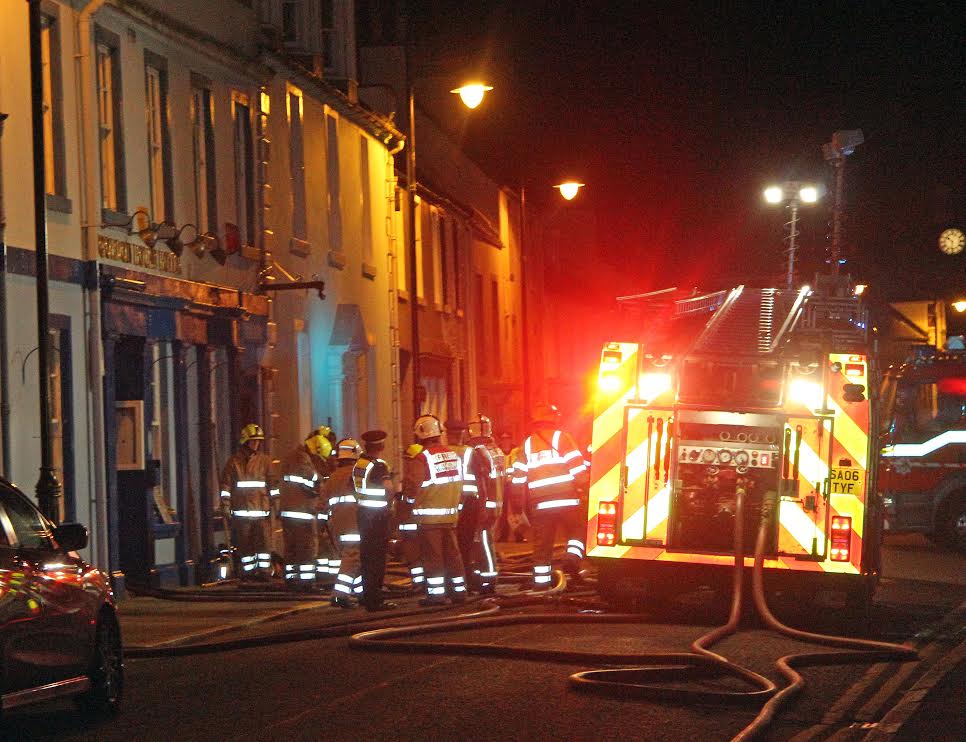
139, 255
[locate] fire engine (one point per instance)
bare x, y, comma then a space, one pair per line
923, 473
765, 389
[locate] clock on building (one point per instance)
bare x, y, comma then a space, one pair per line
952, 241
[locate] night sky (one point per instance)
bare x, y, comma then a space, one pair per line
676, 116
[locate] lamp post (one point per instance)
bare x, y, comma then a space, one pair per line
48, 488
472, 95
792, 193
842, 145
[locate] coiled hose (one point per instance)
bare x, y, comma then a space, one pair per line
653, 670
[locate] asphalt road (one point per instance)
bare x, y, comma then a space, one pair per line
323, 690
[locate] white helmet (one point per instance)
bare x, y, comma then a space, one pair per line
348, 448
481, 427
427, 426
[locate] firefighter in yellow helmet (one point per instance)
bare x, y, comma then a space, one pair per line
550, 475
247, 497
344, 525
433, 480
303, 471
408, 544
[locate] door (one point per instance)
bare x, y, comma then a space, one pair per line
804, 487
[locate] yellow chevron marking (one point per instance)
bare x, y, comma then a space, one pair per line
851, 506
849, 434
607, 487
839, 567
812, 467
800, 526
658, 509
610, 421
633, 526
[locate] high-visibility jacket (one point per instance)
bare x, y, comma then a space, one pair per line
301, 484
548, 466
435, 479
246, 484
368, 480
496, 473
343, 506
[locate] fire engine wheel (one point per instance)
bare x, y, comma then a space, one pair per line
951, 524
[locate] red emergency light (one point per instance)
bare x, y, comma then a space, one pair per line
607, 523
841, 538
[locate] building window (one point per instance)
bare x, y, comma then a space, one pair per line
159, 137
109, 123
435, 255
50, 60
203, 146
161, 440
495, 316
62, 412
244, 167
365, 200
328, 36
444, 261
335, 194
420, 252
291, 20
479, 322
458, 289
297, 162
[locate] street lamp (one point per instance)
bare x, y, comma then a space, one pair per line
791, 193
569, 189
472, 95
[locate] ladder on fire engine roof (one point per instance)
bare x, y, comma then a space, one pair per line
750, 322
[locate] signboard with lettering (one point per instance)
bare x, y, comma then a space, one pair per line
139, 255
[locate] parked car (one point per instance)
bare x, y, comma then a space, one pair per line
59, 634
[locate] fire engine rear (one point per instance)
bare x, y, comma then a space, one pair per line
758, 389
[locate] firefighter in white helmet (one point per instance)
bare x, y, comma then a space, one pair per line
344, 525
303, 471
247, 497
434, 481
375, 491
481, 439
550, 475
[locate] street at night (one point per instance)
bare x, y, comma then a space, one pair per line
482, 369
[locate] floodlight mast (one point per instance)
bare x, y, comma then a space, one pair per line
842, 145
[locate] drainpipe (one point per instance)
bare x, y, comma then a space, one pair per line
87, 156
4, 367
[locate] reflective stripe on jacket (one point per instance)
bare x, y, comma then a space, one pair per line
342, 503
441, 485
301, 481
368, 477
548, 466
245, 481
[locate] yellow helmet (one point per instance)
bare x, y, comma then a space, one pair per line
413, 450
251, 432
318, 442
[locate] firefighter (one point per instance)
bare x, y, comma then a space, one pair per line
344, 525
434, 481
247, 497
476, 470
303, 471
550, 474
374, 488
491, 494
409, 546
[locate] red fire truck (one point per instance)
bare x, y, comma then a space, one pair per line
763, 389
923, 472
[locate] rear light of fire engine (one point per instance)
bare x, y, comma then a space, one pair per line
607, 523
609, 383
841, 538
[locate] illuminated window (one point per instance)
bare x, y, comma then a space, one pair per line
297, 162
203, 146
54, 179
159, 138
109, 122
244, 169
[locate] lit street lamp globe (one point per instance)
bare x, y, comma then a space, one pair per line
472, 93
569, 189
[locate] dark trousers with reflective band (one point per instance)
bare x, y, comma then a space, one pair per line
549, 525
441, 559
374, 535
468, 532
301, 548
252, 537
